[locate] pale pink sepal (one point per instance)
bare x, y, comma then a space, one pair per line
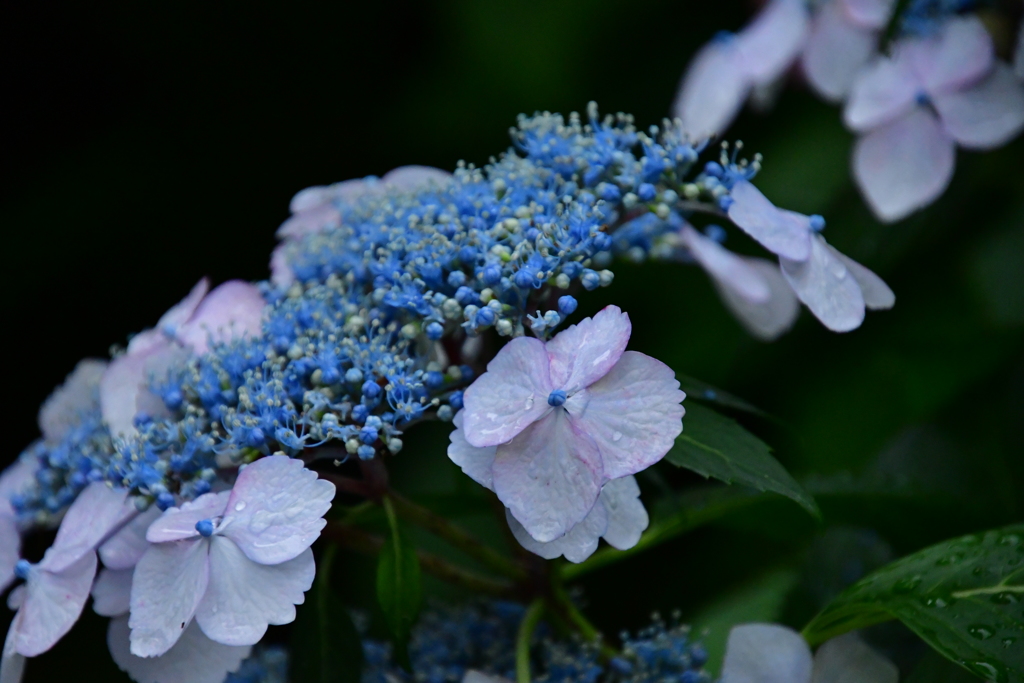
986, 115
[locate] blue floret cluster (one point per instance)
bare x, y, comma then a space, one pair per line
379, 324
449, 641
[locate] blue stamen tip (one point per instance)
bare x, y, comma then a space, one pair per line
205, 528
556, 398
21, 569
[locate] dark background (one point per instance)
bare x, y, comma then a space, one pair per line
147, 145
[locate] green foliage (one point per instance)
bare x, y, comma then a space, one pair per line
964, 597
399, 590
935, 669
325, 646
713, 445
698, 390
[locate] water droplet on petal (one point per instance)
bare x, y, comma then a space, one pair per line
239, 506
616, 436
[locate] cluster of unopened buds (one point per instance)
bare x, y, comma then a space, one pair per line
180, 475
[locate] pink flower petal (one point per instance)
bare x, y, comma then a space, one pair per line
231, 311
126, 547
15, 479
281, 273
576, 545
177, 524
772, 41
310, 221
584, 353
10, 550
627, 518
549, 476
877, 294
276, 508
959, 55
124, 391
12, 665
53, 603
193, 659
904, 165
712, 91
167, 586
778, 232
850, 660
79, 393
475, 462
985, 115
112, 593
766, 653
633, 414
726, 268
413, 178
883, 91
98, 512
182, 311
244, 597
826, 287
765, 321
511, 395
836, 51
872, 14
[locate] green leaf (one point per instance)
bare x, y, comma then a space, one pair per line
964, 597
934, 668
398, 585
713, 445
702, 391
325, 645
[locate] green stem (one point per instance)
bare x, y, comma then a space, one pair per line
668, 528
526, 628
456, 536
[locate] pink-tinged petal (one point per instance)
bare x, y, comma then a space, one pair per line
584, 353
182, 311
177, 524
765, 321
316, 219
193, 659
726, 268
872, 14
98, 512
883, 91
231, 311
126, 547
777, 231
10, 550
959, 55
16, 598
345, 191
577, 545
244, 597
836, 50
276, 509
772, 41
112, 593
766, 653
633, 414
712, 91
12, 664
120, 387
905, 165
848, 659
413, 178
167, 586
985, 115
480, 677
877, 294
475, 462
627, 517
826, 287
79, 393
53, 603
281, 273
549, 476
15, 479
510, 396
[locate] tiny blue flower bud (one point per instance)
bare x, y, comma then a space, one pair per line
374, 421
434, 331
205, 528
354, 375
621, 666
456, 278
698, 655
567, 304
590, 279
455, 400
817, 223
691, 676
646, 192
256, 437
724, 202
609, 192
444, 413
491, 274
434, 379
714, 169
556, 398
523, 278
22, 568
715, 232
485, 317
371, 389
165, 500
602, 241
200, 487
465, 295
467, 373
366, 452
468, 255
368, 435
173, 398
360, 412
571, 269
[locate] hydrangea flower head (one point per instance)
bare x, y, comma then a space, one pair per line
769, 653
915, 107
237, 561
567, 417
